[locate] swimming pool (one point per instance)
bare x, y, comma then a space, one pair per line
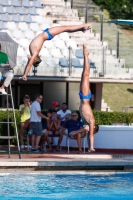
66, 186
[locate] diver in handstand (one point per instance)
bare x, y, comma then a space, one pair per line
37, 43
85, 96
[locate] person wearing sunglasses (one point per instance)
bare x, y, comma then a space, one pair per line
36, 122
75, 129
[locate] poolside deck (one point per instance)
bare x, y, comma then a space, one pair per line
64, 161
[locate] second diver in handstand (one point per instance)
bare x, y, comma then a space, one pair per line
85, 96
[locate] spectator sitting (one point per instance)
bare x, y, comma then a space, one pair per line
25, 118
75, 129
53, 125
64, 114
55, 106
45, 138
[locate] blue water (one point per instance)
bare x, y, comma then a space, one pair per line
66, 187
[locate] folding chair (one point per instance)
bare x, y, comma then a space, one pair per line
83, 141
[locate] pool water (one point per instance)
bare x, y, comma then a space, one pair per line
66, 186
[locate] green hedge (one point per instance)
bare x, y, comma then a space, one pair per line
101, 118
4, 126
107, 118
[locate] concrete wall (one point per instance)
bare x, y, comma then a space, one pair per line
53, 91
98, 96
73, 97
56, 91
109, 137
114, 137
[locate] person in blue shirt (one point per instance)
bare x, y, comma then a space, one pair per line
75, 129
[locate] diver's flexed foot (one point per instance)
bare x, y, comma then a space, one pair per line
85, 50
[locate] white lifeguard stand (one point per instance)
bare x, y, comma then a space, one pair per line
9, 46
8, 122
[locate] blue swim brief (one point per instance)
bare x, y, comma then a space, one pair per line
50, 37
81, 96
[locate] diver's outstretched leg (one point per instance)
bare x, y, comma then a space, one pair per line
60, 29
85, 83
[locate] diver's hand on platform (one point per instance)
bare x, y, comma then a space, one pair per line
23, 77
87, 128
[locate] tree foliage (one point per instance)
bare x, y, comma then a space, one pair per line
118, 9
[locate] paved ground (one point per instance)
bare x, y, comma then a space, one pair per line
64, 161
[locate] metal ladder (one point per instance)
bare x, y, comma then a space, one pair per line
9, 137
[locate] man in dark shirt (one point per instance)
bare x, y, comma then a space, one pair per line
75, 129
